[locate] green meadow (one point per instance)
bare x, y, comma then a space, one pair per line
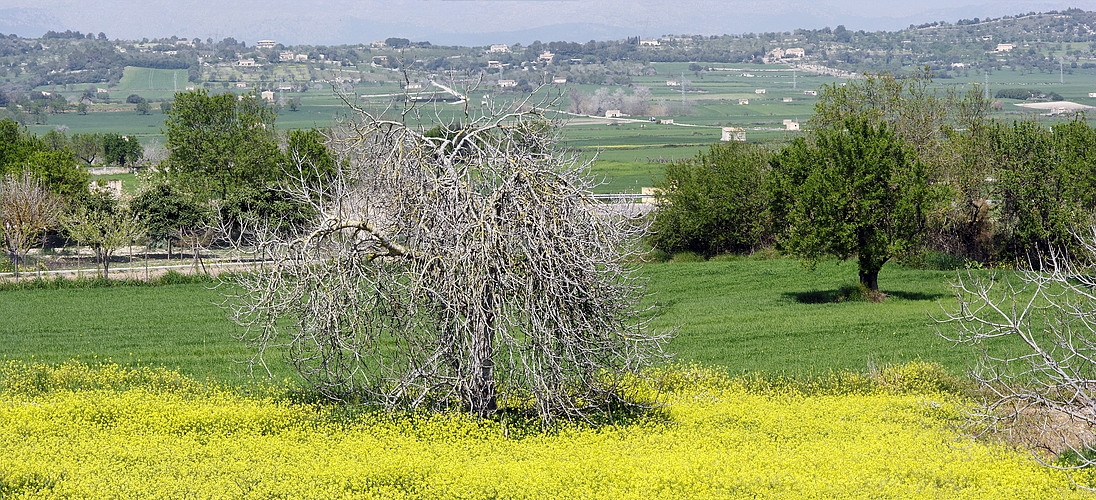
747, 315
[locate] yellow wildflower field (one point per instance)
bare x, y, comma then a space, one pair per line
75, 431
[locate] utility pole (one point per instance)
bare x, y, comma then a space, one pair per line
682, 91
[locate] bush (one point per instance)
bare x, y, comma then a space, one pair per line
60, 282
714, 203
936, 261
687, 257
1023, 95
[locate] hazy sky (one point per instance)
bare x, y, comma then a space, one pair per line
478, 22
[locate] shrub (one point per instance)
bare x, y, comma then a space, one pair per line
714, 203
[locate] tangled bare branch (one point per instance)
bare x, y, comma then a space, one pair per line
468, 267
1036, 334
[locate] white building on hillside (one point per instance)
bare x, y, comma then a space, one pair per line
733, 134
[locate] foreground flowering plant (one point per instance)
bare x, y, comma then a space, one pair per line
80, 431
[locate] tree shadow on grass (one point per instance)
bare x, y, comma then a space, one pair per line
853, 293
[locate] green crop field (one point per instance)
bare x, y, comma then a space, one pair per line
776, 317
765, 316
177, 326
152, 84
630, 154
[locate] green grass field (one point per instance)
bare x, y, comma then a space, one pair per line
776, 317
764, 316
88, 429
177, 326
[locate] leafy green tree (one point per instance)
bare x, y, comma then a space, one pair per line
168, 214
56, 140
57, 104
39, 112
946, 130
143, 108
121, 150
219, 143
23, 152
855, 190
104, 224
714, 203
87, 147
1046, 186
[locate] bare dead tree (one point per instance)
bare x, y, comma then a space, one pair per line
1035, 331
26, 210
470, 269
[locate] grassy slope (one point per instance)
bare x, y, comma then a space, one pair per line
747, 315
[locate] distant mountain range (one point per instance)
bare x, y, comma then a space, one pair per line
27, 23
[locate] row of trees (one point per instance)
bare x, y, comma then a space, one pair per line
43, 187
890, 169
224, 171
96, 148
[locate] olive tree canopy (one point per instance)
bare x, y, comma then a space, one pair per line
853, 191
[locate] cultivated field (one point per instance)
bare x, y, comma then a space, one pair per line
630, 150
782, 388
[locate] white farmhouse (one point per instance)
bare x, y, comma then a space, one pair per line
733, 134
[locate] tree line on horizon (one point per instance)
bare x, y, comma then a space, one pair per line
224, 163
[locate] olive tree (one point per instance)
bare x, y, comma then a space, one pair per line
122, 150
1035, 333
943, 127
468, 269
854, 190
